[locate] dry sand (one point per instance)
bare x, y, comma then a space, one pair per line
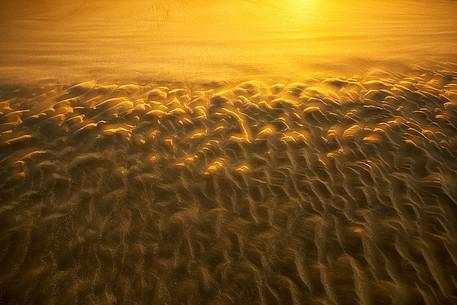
295, 152
185, 40
324, 191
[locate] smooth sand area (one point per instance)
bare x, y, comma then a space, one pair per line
76, 41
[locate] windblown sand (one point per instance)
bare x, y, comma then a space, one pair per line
324, 191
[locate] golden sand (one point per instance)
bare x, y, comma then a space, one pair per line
187, 40
238, 152
322, 191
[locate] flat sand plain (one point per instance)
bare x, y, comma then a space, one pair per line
121, 41
324, 191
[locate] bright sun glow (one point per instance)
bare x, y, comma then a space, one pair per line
218, 38
301, 5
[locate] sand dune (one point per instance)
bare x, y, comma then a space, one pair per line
329, 190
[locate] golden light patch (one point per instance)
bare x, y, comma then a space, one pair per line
358, 231
239, 138
244, 168
265, 132
198, 134
215, 166
168, 141
373, 138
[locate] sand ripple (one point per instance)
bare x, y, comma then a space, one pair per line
325, 191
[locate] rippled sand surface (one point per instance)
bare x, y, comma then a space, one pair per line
323, 191
295, 152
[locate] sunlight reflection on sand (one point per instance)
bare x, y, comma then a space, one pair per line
181, 40
228, 152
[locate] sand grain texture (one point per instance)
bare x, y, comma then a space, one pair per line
324, 191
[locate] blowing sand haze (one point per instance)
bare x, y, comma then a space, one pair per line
228, 152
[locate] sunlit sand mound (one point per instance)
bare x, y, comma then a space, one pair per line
324, 191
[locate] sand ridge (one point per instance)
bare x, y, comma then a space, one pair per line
324, 191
